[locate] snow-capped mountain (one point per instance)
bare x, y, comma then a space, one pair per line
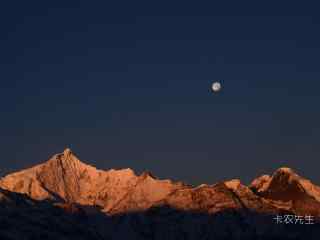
118, 204
286, 189
65, 178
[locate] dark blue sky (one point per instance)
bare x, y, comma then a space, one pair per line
129, 86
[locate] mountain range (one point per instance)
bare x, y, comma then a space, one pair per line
64, 198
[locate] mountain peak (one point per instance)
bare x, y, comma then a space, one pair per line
285, 174
233, 184
66, 160
261, 183
285, 184
285, 170
65, 179
67, 152
148, 174
60, 178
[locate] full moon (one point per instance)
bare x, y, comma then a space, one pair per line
216, 86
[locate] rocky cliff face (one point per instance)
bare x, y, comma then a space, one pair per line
65, 178
121, 204
286, 189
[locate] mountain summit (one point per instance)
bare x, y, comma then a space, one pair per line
57, 179
286, 189
285, 184
65, 179
65, 197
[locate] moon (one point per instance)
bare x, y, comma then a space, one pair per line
216, 86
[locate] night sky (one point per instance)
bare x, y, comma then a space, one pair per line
129, 86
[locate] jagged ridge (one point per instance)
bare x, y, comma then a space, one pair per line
64, 178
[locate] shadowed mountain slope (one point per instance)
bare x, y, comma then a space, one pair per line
65, 194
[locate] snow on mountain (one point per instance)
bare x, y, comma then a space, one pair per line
65, 179
285, 184
147, 191
205, 198
261, 183
89, 203
285, 189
